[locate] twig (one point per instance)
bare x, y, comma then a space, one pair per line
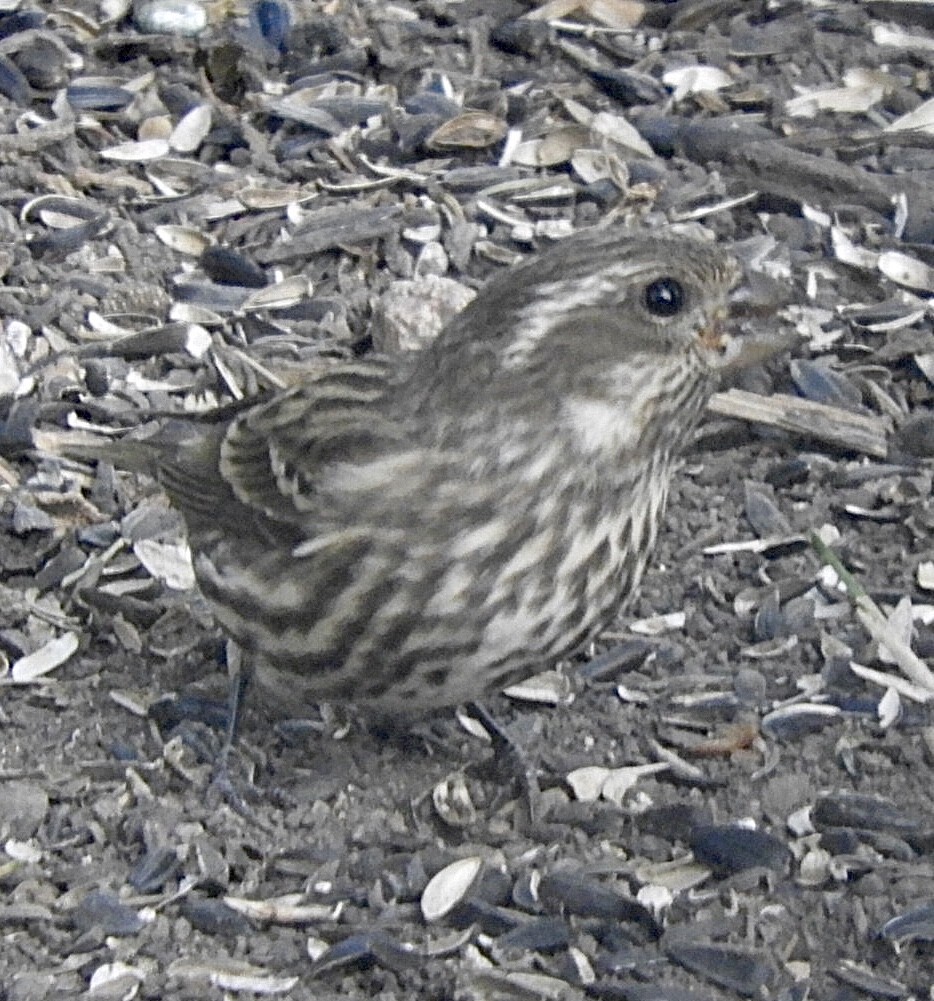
874, 620
834, 425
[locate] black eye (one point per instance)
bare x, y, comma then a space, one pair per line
664, 297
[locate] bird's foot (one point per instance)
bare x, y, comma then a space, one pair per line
514, 758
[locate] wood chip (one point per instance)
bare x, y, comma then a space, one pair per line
832, 425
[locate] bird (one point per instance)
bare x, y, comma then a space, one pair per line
409, 533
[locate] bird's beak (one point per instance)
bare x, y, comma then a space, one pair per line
714, 337
749, 333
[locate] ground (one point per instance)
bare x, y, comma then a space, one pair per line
774, 837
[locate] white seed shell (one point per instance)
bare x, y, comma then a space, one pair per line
447, 888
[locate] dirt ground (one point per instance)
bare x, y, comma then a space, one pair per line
728, 803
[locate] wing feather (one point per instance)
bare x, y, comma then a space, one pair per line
272, 457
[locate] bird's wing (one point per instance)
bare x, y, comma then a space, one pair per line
271, 458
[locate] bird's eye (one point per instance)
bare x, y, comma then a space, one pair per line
664, 297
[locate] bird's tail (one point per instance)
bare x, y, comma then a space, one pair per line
131, 454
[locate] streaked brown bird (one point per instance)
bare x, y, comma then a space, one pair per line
409, 533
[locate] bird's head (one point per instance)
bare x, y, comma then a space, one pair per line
605, 315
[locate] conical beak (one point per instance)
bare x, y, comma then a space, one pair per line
750, 332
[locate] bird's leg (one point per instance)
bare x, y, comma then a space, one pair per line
522, 767
222, 785
240, 679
